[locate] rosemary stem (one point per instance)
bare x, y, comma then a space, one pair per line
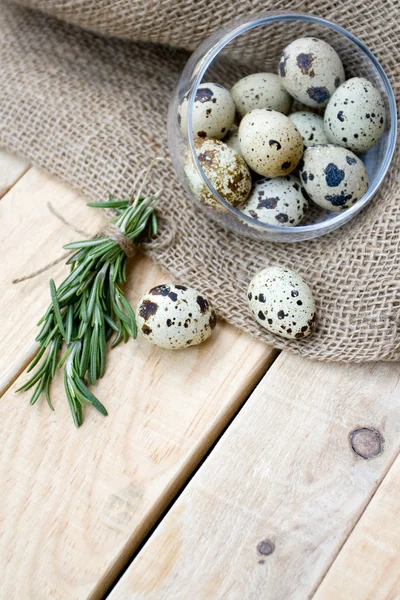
87, 308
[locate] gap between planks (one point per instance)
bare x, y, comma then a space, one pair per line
12, 168
367, 566
30, 235
76, 503
267, 513
104, 593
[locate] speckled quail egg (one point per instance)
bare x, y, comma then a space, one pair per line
175, 316
270, 143
282, 302
333, 177
260, 90
278, 201
224, 168
355, 115
232, 140
213, 111
311, 70
311, 128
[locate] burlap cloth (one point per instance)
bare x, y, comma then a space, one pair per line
92, 110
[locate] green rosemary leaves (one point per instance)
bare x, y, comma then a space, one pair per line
89, 308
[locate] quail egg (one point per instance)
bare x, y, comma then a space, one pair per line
278, 201
311, 70
260, 90
175, 316
270, 143
355, 115
213, 111
224, 168
311, 128
282, 302
232, 140
333, 177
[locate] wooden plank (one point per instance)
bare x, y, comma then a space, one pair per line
11, 169
368, 566
269, 509
75, 503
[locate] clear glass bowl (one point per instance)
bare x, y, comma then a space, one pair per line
255, 45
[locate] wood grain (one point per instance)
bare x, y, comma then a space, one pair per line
368, 566
75, 503
11, 169
266, 514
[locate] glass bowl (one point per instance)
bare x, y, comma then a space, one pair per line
255, 45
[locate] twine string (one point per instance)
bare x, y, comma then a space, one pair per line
111, 230
44, 268
65, 222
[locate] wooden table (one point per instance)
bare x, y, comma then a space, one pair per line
223, 471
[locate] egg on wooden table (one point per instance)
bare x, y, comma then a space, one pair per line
279, 201
311, 128
260, 90
282, 302
224, 168
355, 116
213, 111
175, 316
333, 177
270, 143
311, 70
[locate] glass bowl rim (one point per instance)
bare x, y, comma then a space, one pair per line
272, 17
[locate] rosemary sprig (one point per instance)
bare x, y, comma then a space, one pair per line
88, 308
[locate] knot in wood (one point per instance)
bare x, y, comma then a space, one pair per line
366, 442
265, 547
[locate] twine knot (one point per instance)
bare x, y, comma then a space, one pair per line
114, 233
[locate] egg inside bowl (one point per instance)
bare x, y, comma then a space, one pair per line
243, 49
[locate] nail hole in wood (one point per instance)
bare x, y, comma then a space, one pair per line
366, 442
265, 548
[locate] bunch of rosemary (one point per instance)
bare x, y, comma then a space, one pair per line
89, 307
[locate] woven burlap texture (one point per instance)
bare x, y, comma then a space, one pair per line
92, 110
